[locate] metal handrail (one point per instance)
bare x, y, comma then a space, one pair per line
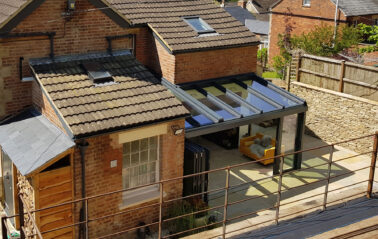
226, 189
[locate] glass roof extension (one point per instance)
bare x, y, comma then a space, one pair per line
233, 101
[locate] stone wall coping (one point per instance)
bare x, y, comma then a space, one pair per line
351, 97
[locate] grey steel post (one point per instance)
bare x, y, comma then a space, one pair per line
328, 178
372, 166
160, 210
226, 202
279, 190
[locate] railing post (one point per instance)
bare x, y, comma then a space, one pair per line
226, 202
160, 210
342, 74
372, 166
86, 219
279, 190
328, 178
298, 68
4, 229
21, 217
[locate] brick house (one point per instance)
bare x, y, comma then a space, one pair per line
302, 15
83, 112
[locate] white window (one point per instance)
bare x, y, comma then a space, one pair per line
307, 3
199, 25
140, 162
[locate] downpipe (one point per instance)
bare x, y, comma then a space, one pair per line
82, 145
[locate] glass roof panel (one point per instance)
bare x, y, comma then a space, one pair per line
250, 98
270, 93
203, 99
237, 106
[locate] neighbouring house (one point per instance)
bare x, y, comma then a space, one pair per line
100, 96
254, 15
300, 16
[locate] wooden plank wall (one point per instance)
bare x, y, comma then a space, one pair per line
55, 187
346, 77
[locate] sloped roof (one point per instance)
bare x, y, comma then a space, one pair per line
31, 141
263, 5
10, 7
165, 18
258, 27
239, 13
358, 7
135, 97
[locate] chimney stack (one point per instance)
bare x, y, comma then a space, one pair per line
242, 3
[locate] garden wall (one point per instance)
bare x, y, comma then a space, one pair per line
335, 117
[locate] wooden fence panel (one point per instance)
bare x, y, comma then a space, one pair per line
357, 80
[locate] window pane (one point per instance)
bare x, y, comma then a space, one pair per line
198, 24
144, 156
152, 167
126, 161
153, 177
144, 144
153, 143
134, 159
135, 146
153, 155
126, 148
134, 177
126, 174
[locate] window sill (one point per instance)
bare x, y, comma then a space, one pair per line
306, 6
137, 197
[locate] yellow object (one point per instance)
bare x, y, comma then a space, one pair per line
245, 144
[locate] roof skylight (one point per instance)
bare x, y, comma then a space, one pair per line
199, 25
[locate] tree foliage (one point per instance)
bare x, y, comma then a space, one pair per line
321, 42
369, 33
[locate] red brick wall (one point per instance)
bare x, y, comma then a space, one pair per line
297, 20
204, 65
100, 178
366, 19
41, 103
85, 32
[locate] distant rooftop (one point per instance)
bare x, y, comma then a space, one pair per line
239, 13
257, 26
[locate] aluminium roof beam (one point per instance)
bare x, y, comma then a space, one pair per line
194, 103
238, 99
259, 95
216, 101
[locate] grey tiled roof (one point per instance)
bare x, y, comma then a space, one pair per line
9, 7
165, 17
135, 98
31, 141
239, 13
258, 27
358, 7
263, 5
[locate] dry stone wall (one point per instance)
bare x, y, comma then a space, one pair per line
336, 117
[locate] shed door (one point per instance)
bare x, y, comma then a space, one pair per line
55, 187
8, 185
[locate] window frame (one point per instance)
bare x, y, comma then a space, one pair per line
306, 3
208, 30
140, 195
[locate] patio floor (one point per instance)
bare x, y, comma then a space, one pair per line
304, 197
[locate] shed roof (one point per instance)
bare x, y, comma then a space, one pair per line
31, 141
165, 18
135, 97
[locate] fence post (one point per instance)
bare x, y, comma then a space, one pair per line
298, 68
226, 202
279, 190
328, 178
21, 217
86, 219
372, 166
342, 74
160, 210
4, 229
